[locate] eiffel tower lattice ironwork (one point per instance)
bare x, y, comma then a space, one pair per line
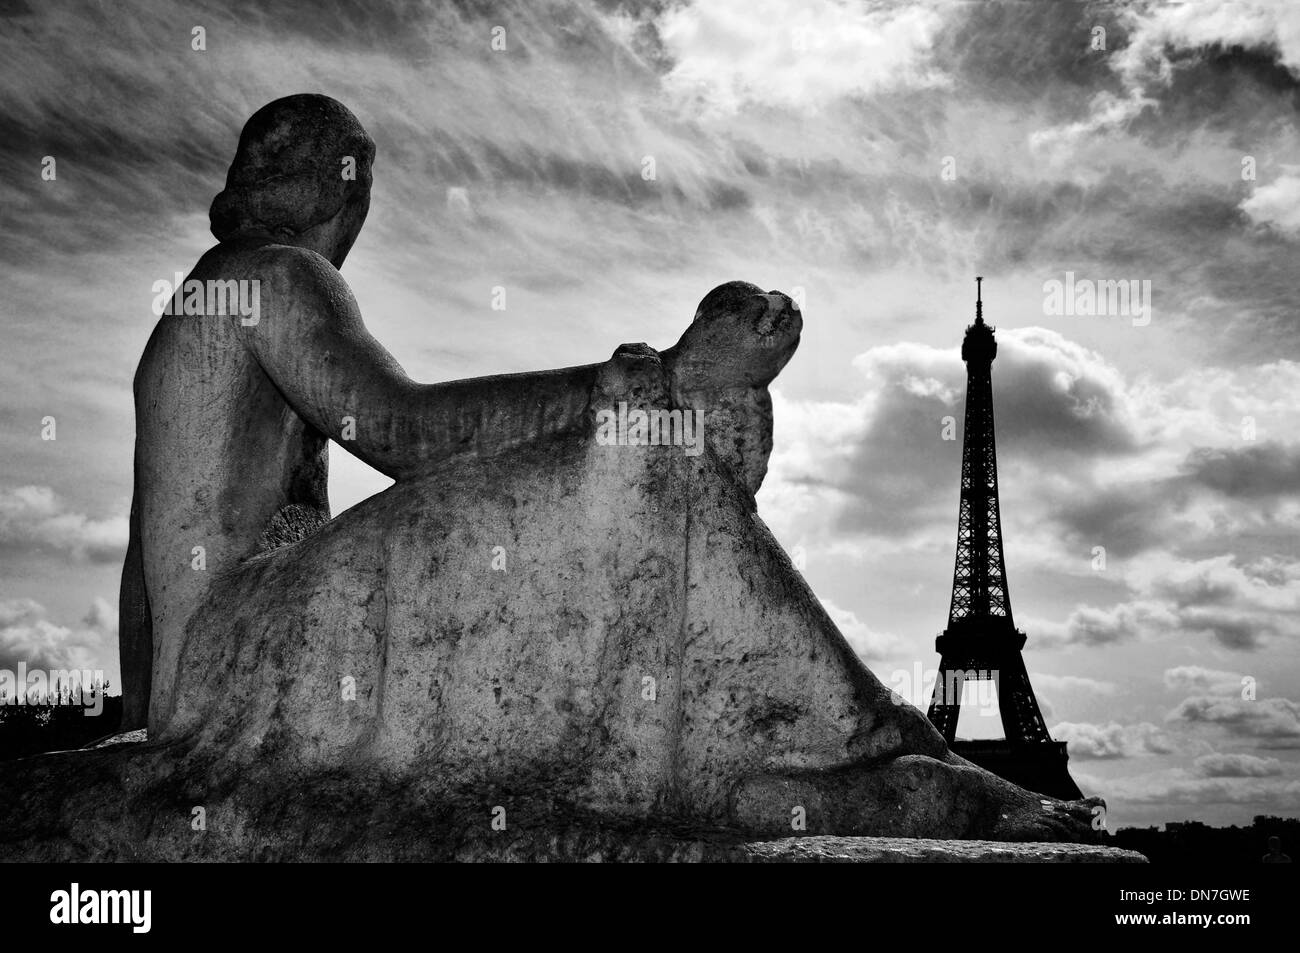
982, 641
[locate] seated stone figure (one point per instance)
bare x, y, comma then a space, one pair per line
528, 608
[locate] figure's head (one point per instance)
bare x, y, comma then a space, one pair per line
741, 336
301, 176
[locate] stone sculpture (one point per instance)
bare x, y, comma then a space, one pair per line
530, 612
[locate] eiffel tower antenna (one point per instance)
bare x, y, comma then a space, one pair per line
982, 641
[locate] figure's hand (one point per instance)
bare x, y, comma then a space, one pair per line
635, 374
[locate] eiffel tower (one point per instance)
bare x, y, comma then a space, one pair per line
981, 641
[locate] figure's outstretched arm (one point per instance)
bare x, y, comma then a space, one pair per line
311, 342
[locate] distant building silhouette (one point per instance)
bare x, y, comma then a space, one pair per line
1194, 842
981, 641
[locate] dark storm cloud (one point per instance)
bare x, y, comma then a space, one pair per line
1201, 589
1241, 632
1126, 520
1243, 96
1253, 472
1134, 518
902, 443
1037, 413
1014, 51
1222, 87
1162, 211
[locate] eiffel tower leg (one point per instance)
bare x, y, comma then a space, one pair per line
945, 706
1022, 722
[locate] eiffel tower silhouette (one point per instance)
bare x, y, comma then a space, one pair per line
982, 641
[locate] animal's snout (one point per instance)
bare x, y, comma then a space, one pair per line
781, 313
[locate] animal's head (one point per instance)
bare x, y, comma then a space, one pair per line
741, 336
740, 340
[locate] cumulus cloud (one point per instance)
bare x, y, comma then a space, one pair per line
1160, 29
1113, 740
1241, 606
1225, 408
1203, 681
1093, 626
34, 519
1177, 786
1199, 472
28, 635
727, 54
1276, 204
1269, 722
1238, 766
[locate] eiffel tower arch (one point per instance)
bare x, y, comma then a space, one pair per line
982, 641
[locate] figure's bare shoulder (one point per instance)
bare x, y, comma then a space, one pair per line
299, 284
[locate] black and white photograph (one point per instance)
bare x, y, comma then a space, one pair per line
759, 432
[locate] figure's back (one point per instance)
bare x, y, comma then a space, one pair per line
224, 466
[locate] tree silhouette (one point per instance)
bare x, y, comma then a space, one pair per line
66, 716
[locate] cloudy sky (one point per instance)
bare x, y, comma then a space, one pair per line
869, 157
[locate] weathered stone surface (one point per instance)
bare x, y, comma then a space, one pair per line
135, 802
289, 170
123, 738
906, 850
